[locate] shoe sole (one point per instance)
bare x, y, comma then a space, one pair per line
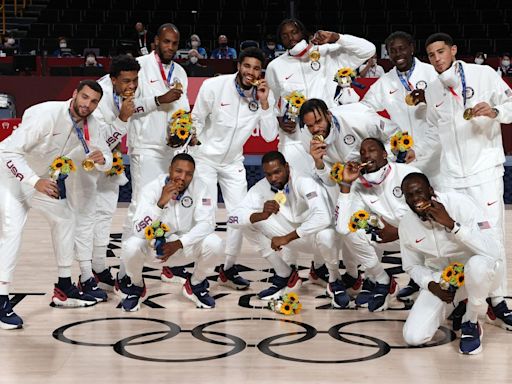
9, 327
194, 299
411, 297
275, 296
73, 303
498, 323
134, 309
230, 284
350, 305
174, 279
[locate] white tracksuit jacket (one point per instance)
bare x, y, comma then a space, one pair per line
388, 93
427, 247
224, 122
471, 150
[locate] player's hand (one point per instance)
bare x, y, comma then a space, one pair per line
351, 172
483, 109
270, 207
410, 156
170, 249
418, 95
127, 109
387, 234
97, 157
171, 96
318, 149
444, 295
262, 92
287, 126
437, 212
278, 242
325, 37
47, 187
169, 192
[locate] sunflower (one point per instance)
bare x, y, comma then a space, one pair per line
58, 163
182, 133
119, 171
286, 309
298, 308
297, 101
447, 273
293, 297
115, 160
352, 226
176, 115
165, 227
346, 71
362, 215
149, 232
394, 143
405, 142
337, 172
460, 279
71, 165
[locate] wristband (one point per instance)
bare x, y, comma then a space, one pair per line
156, 101
345, 184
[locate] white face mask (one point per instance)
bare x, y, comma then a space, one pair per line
505, 63
378, 176
271, 47
299, 47
10, 41
479, 61
193, 59
449, 77
90, 60
63, 44
194, 43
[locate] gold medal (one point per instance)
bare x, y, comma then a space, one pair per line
319, 138
255, 83
314, 55
280, 197
88, 165
468, 114
409, 99
128, 93
177, 85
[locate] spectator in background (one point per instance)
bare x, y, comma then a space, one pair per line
480, 58
144, 40
9, 43
193, 68
91, 61
269, 48
195, 43
64, 50
371, 68
223, 51
504, 69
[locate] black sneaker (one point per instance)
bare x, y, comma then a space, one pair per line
131, 302
231, 278
105, 280
121, 287
71, 297
91, 288
365, 293
338, 294
9, 319
319, 276
381, 296
470, 339
198, 294
499, 315
280, 286
409, 292
353, 285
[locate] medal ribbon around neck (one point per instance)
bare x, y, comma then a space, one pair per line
83, 140
405, 82
303, 52
167, 80
116, 101
286, 189
243, 96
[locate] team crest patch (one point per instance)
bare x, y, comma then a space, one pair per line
397, 192
187, 201
421, 84
470, 92
349, 139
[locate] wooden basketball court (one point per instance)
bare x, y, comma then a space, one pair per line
239, 341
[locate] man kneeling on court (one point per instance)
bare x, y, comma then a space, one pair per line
183, 207
291, 213
444, 228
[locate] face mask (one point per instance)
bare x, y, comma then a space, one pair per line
141, 33
194, 43
378, 176
505, 63
90, 60
449, 77
63, 44
299, 47
479, 61
223, 45
193, 59
10, 41
271, 47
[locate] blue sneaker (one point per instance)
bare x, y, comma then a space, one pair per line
9, 319
338, 294
71, 297
470, 339
500, 315
354, 286
231, 278
131, 302
319, 276
381, 296
174, 275
409, 292
90, 287
105, 280
365, 294
280, 286
198, 294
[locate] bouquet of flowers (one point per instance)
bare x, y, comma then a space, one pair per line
180, 128
337, 172
364, 220
117, 164
452, 277
61, 167
294, 102
288, 305
156, 234
344, 76
401, 142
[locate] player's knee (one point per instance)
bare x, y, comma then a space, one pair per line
414, 336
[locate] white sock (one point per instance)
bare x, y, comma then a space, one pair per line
4, 288
380, 274
229, 262
280, 267
99, 258
470, 316
85, 270
122, 270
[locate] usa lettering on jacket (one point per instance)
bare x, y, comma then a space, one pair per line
116, 136
143, 223
14, 171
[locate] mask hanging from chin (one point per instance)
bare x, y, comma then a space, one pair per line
299, 47
378, 176
449, 78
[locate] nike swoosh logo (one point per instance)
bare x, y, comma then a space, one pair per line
338, 292
240, 170
391, 92
55, 134
203, 293
438, 105
223, 104
9, 314
374, 201
153, 81
506, 314
491, 203
287, 77
419, 240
